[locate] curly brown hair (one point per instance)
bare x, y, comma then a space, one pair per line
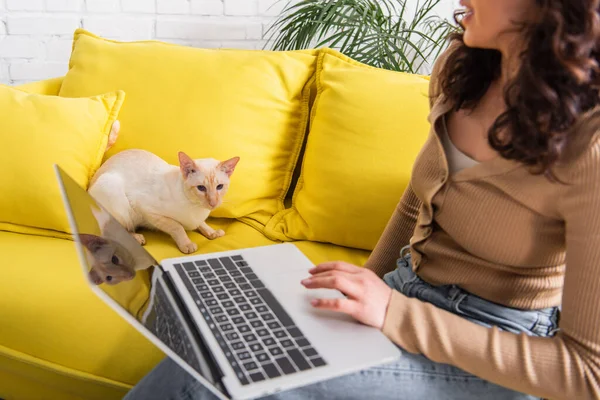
558, 80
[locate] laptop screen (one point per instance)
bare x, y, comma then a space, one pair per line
121, 268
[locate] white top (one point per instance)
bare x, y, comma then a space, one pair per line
457, 160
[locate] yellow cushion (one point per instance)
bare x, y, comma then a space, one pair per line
208, 103
28, 378
37, 131
48, 86
367, 126
323, 252
51, 319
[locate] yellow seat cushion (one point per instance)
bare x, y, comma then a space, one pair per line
37, 131
238, 235
52, 320
367, 126
209, 103
325, 252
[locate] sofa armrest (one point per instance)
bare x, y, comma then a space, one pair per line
48, 86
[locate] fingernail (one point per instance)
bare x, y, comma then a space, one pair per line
312, 270
305, 281
314, 302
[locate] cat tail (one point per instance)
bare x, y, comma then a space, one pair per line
113, 135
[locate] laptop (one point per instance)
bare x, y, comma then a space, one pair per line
238, 321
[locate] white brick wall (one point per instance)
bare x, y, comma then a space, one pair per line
35, 35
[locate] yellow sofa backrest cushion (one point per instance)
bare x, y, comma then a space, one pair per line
367, 126
49, 87
37, 131
208, 103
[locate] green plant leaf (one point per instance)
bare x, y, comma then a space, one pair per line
374, 32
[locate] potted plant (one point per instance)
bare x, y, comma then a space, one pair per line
381, 33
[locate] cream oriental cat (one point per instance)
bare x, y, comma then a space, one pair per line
114, 256
141, 190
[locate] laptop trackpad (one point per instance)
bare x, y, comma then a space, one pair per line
332, 333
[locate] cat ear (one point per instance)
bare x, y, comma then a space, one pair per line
94, 277
186, 164
92, 242
228, 166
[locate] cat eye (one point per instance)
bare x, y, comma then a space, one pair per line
220, 186
108, 278
202, 188
115, 260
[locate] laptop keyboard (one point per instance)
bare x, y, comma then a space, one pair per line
258, 337
170, 330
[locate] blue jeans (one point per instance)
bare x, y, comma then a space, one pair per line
413, 377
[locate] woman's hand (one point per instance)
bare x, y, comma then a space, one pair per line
367, 295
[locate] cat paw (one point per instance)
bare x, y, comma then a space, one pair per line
188, 247
139, 237
216, 234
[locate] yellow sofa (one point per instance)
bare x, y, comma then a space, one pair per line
58, 341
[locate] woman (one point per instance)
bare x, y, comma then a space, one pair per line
503, 220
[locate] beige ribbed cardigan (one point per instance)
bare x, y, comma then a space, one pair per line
511, 237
